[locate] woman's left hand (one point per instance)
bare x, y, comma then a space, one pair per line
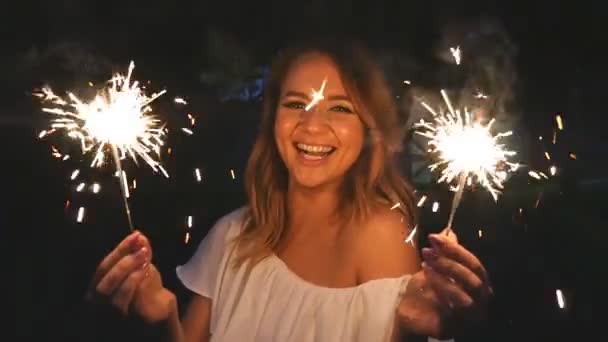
451, 291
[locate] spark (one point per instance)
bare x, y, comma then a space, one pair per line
66, 157
95, 188
232, 174
464, 148
561, 301
54, 152
192, 119
540, 137
480, 95
572, 156
80, 216
187, 131
457, 54
134, 184
407, 82
534, 174
395, 206
435, 207
187, 238
197, 174
554, 139
553, 170
180, 100
480, 233
44, 133
67, 204
421, 201
189, 221
317, 95
75, 174
538, 198
560, 123
80, 187
547, 155
410, 237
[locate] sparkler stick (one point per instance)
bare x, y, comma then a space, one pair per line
118, 119
123, 186
457, 197
465, 148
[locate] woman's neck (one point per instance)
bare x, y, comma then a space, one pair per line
312, 207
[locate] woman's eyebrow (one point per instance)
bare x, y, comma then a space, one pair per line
296, 94
339, 97
304, 96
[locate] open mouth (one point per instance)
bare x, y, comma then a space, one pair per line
314, 152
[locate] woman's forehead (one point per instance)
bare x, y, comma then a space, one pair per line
308, 72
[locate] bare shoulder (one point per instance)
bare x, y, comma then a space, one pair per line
382, 250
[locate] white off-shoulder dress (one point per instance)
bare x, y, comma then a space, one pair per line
270, 303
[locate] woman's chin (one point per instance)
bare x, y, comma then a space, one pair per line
314, 177
311, 183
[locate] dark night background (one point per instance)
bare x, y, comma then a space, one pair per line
209, 52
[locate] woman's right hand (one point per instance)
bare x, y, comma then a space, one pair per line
128, 281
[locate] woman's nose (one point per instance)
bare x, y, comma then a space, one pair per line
314, 119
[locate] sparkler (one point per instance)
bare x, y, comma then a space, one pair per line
117, 122
465, 149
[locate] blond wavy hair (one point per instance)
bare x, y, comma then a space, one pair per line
374, 176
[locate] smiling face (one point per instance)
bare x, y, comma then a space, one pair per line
319, 145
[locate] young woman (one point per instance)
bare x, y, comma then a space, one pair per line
318, 254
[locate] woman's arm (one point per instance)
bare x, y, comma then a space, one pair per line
384, 253
194, 326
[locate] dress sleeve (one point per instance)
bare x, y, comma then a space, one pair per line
201, 273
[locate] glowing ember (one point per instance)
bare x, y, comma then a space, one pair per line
457, 54
80, 215
561, 301
560, 123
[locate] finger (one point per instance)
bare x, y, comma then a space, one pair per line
130, 244
432, 279
112, 280
126, 246
450, 249
446, 290
450, 234
124, 294
451, 269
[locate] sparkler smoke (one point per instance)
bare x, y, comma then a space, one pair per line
118, 121
465, 149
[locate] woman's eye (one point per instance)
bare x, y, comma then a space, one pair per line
294, 105
342, 109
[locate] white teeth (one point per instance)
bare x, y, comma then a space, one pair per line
315, 148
